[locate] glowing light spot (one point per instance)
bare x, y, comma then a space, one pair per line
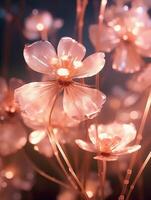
54, 61
9, 174
65, 57
40, 27
63, 72
117, 27
125, 37
36, 148
134, 115
36, 136
89, 193
77, 64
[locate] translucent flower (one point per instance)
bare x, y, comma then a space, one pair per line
135, 83
41, 21
13, 135
18, 173
79, 101
128, 34
110, 141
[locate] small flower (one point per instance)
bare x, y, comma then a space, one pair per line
13, 135
128, 34
41, 21
110, 141
79, 101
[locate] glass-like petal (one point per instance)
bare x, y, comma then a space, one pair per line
106, 158
92, 65
126, 59
92, 130
143, 41
70, 47
85, 146
104, 40
127, 150
81, 102
39, 57
12, 136
36, 99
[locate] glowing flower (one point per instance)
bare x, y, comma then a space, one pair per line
41, 22
79, 101
141, 81
12, 132
110, 141
128, 34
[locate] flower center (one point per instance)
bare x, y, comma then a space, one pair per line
63, 71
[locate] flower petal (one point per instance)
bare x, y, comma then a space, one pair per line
81, 102
39, 56
70, 47
85, 146
92, 65
106, 158
126, 59
104, 40
127, 150
143, 41
36, 99
92, 130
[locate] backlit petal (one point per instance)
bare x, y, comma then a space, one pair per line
106, 158
127, 150
36, 99
92, 65
85, 146
81, 102
39, 56
126, 59
70, 47
104, 40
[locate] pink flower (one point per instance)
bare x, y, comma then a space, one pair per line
110, 141
79, 101
141, 81
13, 135
41, 21
128, 34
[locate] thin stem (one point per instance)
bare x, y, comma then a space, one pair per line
102, 12
56, 146
103, 177
81, 7
138, 176
47, 176
138, 140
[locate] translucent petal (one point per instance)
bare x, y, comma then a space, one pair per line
92, 130
127, 150
36, 99
107, 158
70, 47
143, 41
85, 146
104, 40
81, 102
12, 136
39, 57
92, 65
126, 59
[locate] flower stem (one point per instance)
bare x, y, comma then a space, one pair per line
138, 175
138, 140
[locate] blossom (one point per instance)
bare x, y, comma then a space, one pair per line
110, 141
41, 21
13, 135
128, 34
37, 99
135, 83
